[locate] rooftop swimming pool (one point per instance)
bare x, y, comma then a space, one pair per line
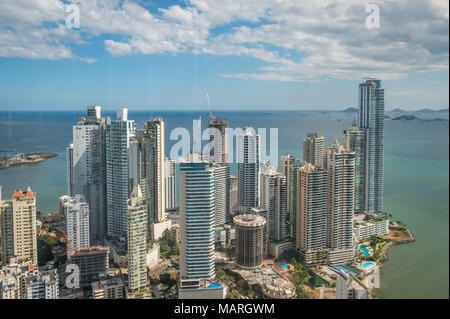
284, 266
213, 285
367, 265
365, 251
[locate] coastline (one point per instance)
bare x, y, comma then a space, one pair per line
385, 257
385, 249
4, 163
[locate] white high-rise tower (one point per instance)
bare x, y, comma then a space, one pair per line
249, 154
118, 135
86, 164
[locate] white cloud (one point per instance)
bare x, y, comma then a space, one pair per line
296, 40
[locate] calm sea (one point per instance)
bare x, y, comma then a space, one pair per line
416, 177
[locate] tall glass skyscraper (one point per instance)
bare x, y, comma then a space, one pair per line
154, 129
197, 220
371, 117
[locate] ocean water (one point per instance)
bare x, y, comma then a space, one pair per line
416, 177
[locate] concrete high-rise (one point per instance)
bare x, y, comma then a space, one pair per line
219, 150
170, 176
340, 203
93, 262
137, 239
311, 217
249, 240
313, 149
86, 168
249, 154
18, 228
273, 198
141, 157
354, 140
197, 220
76, 213
259, 211
118, 135
371, 117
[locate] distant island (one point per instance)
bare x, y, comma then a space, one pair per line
405, 118
21, 158
415, 118
350, 110
399, 110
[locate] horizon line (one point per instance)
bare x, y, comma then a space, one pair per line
215, 110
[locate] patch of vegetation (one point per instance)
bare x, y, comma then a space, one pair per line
167, 246
40, 216
45, 244
289, 255
242, 285
166, 280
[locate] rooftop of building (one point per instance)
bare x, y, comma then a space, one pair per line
249, 220
20, 194
109, 282
88, 251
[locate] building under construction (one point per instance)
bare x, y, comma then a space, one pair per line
249, 240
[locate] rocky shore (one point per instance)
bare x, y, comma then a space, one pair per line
20, 158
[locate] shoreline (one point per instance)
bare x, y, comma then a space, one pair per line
385, 249
385, 257
4, 163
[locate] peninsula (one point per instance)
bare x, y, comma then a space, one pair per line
21, 158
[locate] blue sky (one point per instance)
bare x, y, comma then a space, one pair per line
245, 54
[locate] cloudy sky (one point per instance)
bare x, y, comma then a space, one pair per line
247, 54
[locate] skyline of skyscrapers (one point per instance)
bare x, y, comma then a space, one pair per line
311, 202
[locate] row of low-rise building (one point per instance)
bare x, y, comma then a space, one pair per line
25, 281
367, 229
